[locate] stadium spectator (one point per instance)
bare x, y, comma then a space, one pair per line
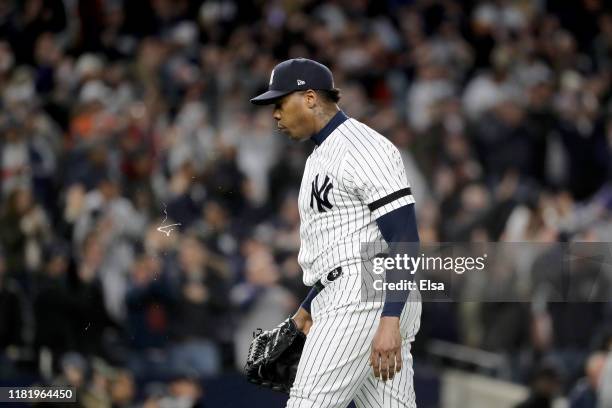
261, 300
585, 392
184, 390
90, 319
12, 236
605, 397
52, 303
200, 310
545, 385
149, 308
11, 316
122, 389
73, 373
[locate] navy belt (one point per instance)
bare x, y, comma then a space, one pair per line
327, 279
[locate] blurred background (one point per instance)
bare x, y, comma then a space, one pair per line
118, 117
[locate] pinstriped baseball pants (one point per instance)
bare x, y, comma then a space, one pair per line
334, 368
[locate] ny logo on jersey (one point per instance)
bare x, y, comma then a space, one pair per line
321, 194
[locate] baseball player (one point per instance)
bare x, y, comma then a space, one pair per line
354, 190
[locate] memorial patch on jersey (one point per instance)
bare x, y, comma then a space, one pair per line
320, 194
389, 199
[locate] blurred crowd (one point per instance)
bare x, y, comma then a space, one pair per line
120, 117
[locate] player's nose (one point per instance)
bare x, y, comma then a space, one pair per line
276, 114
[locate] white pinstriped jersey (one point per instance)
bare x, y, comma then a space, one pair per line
350, 179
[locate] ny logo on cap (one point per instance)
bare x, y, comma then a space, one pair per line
271, 77
300, 82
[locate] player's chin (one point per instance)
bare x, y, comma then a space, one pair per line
290, 134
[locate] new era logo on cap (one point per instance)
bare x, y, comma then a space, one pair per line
293, 75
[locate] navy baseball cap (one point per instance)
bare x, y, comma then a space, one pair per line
298, 74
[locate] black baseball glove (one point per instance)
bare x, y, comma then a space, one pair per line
274, 356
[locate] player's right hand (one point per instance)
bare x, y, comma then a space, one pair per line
386, 355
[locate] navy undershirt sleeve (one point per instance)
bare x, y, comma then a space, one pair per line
398, 226
308, 300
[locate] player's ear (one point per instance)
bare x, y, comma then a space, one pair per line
310, 98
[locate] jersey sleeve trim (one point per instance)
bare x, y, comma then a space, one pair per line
390, 198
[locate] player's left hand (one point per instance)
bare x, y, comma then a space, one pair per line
386, 355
